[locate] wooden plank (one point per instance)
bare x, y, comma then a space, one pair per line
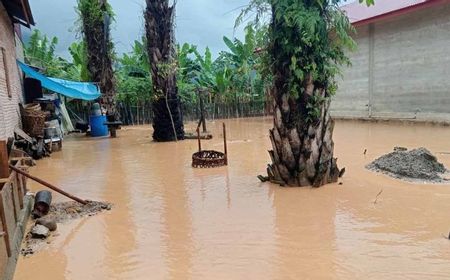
27, 18
5, 226
6, 68
4, 162
24, 184
23, 135
13, 198
15, 159
20, 190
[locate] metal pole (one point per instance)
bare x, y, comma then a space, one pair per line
48, 185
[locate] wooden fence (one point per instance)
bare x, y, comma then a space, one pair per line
14, 211
138, 114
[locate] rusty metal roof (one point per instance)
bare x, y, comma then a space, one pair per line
19, 11
361, 14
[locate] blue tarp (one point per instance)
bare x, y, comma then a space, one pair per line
75, 90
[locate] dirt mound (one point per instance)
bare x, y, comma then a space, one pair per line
415, 165
60, 213
70, 210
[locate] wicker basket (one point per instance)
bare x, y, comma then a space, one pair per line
33, 121
208, 158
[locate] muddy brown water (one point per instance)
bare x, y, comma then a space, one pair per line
171, 221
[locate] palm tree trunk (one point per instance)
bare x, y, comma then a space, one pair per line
302, 152
99, 48
302, 143
167, 119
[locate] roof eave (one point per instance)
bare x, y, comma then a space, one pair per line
20, 12
397, 13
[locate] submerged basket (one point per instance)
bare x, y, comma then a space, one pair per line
209, 158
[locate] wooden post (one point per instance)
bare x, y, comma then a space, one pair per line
4, 174
225, 144
113, 132
5, 226
19, 190
198, 138
202, 112
4, 162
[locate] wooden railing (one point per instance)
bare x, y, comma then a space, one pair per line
12, 192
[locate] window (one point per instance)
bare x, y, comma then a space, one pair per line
5, 67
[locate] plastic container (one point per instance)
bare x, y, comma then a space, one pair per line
96, 110
98, 127
50, 132
42, 202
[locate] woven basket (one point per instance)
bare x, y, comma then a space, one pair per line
208, 159
34, 122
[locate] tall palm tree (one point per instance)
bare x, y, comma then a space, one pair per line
167, 119
96, 17
307, 43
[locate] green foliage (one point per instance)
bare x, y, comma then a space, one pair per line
368, 2
40, 52
313, 37
237, 75
91, 12
94, 22
79, 57
133, 76
307, 42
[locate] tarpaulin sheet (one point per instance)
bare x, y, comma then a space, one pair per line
75, 90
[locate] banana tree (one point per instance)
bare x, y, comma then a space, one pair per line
40, 52
79, 68
243, 59
188, 68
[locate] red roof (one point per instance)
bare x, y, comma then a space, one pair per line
362, 14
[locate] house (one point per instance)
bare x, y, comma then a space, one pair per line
401, 68
13, 14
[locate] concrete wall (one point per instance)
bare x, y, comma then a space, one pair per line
9, 109
401, 69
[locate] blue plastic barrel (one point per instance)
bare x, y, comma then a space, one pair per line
98, 127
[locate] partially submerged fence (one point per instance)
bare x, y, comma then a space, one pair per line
14, 211
138, 114
135, 115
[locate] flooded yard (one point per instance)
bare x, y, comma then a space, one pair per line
170, 221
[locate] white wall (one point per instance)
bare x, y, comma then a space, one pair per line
401, 67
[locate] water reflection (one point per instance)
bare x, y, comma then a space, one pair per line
171, 221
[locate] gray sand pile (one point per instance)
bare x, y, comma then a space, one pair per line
41, 233
415, 165
70, 210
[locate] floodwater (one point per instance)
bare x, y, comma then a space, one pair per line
171, 221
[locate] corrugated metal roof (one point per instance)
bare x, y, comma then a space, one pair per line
360, 13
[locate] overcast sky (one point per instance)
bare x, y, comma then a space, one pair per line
200, 22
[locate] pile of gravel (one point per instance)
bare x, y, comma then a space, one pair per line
415, 165
70, 210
